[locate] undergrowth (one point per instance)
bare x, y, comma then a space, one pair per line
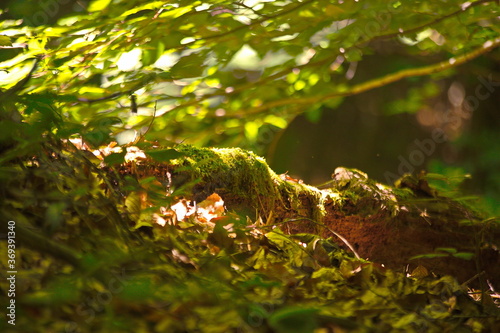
84, 266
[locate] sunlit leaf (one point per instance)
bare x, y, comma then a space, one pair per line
133, 205
97, 5
5, 41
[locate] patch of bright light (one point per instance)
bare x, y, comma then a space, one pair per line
246, 58
166, 61
130, 61
187, 40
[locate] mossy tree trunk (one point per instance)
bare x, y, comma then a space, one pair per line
384, 224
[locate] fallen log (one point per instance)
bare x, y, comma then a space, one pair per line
409, 227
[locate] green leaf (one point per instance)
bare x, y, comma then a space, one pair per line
446, 249
5, 41
353, 55
104, 122
251, 131
97, 137
115, 158
188, 66
98, 5
59, 291
464, 255
150, 5
314, 115
133, 205
165, 155
429, 256
54, 216
294, 319
138, 289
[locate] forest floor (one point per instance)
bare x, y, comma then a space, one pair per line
190, 240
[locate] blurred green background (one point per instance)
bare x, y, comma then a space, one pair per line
366, 132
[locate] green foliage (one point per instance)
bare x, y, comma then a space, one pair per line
165, 155
210, 74
446, 252
100, 269
221, 68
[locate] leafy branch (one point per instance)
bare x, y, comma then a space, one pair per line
433, 22
256, 22
382, 81
358, 88
422, 71
36, 241
20, 85
313, 99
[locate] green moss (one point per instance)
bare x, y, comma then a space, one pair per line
232, 169
247, 175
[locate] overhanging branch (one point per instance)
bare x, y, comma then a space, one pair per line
422, 71
256, 22
435, 21
382, 81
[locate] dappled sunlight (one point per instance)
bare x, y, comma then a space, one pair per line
135, 196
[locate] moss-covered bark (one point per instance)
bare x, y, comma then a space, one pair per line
387, 224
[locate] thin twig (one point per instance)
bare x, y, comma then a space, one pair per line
253, 10
342, 238
473, 278
229, 32
439, 19
150, 124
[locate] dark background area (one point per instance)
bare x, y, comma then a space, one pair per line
364, 132
36, 13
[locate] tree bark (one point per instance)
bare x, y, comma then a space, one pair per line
387, 225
